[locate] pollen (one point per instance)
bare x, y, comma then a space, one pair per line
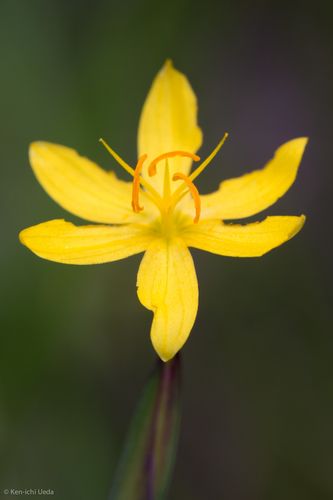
136, 185
170, 154
194, 192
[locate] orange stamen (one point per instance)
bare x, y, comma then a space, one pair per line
171, 154
136, 185
194, 192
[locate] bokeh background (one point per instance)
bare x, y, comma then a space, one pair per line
74, 349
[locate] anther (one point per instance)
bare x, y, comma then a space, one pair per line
171, 154
136, 185
194, 192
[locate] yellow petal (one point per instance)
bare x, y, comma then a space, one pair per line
167, 285
250, 240
64, 242
251, 193
80, 186
169, 122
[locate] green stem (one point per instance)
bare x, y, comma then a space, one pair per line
146, 464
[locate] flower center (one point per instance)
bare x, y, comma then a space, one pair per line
168, 201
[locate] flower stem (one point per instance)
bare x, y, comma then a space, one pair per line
146, 464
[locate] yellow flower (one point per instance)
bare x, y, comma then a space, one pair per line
161, 212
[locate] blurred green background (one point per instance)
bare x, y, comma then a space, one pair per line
74, 350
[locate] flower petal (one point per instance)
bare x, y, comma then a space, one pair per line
251, 193
250, 240
168, 122
62, 241
167, 285
80, 186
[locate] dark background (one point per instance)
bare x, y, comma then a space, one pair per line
75, 350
